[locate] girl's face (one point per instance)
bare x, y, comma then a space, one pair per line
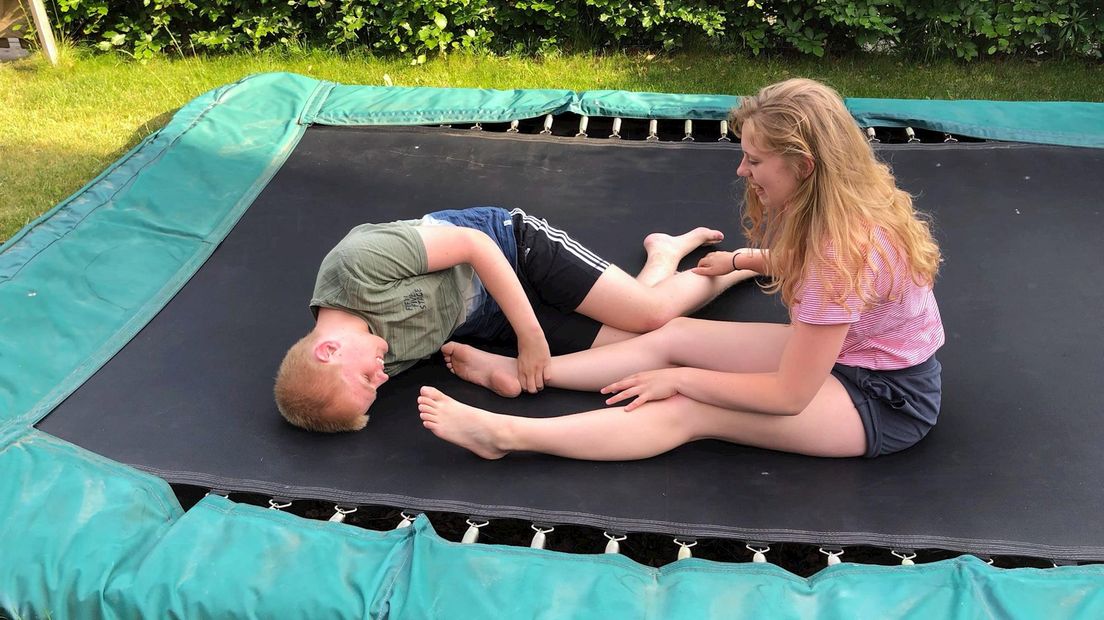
770, 175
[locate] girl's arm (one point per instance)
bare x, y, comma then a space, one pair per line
447, 246
720, 263
807, 360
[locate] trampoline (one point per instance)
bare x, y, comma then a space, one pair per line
144, 318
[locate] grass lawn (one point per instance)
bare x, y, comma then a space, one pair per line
59, 127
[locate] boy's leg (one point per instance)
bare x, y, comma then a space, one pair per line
711, 345
829, 426
569, 277
622, 302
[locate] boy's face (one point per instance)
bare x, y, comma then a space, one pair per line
361, 373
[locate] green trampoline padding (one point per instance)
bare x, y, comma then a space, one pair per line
82, 536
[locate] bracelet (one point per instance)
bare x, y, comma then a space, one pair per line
734, 255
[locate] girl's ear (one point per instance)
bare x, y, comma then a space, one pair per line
806, 166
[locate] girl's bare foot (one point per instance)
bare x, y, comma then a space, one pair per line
494, 372
477, 430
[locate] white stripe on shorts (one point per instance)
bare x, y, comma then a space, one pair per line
561, 237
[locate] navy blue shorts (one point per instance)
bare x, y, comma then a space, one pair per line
897, 407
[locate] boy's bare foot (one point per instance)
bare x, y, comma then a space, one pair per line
678, 246
466, 426
494, 372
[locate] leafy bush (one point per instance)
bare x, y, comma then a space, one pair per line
418, 29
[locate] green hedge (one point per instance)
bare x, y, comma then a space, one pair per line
418, 29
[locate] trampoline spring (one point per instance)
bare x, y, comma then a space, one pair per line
340, 512
547, 131
687, 129
446, 126
653, 131
684, 548
871, 136
613, 545
472, 534
275, 504
759, 553
220, 493
905, 556
540, 536
583, 121
949, 138
513, 127
833, 554
911, 135
476, 127
407, 520
616, 135
724, 133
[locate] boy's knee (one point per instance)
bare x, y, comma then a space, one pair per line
657, 315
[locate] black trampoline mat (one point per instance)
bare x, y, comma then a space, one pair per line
1014, 466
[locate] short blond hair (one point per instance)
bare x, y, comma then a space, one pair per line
306, 390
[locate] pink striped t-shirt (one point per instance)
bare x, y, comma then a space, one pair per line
890, 334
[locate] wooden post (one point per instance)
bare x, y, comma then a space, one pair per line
45, 34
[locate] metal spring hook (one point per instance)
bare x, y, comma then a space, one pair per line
653, 129
684, 548
833, 554
759, 552
340, 512
540, 536
547, 131
472, 534
614, 543
616, 135
583, 121
687, 130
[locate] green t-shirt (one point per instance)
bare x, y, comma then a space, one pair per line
378, 272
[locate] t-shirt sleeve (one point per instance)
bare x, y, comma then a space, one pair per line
382, 255
368, 263
816, 305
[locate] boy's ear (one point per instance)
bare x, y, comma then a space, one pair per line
324, 350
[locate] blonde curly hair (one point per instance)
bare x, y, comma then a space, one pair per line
848, 194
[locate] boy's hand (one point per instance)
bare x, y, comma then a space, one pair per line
533, 361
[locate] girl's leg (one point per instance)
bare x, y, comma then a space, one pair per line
711, 345
658, 293
829, 426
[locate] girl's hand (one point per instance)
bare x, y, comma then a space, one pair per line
644, 386
715, 264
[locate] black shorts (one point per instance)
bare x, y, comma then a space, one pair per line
557, 274
897, 407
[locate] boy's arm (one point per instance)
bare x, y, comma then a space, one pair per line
447, 246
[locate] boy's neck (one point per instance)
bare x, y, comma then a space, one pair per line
332, 319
